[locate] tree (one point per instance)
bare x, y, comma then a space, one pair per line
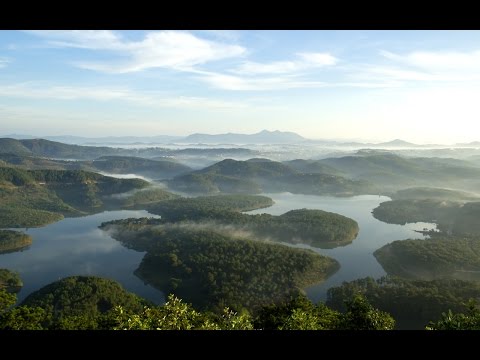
361, 315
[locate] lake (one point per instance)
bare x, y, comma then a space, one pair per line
76, 246
356, 259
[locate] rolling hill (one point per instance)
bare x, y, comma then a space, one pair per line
231, 176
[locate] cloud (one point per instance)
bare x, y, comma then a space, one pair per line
439, 61
432, 66
4, 62
318, 59
159, 49
41, 91
231, 82
305, 61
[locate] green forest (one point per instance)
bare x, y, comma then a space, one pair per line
32, 198
437, 257
314, 227
413, 303
232, 176
93, 303
212, 269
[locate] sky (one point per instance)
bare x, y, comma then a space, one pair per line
420, 86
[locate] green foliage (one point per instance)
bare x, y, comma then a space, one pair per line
298, 313
410, 211
146, 196
10, 280
177, 315
452, 217
13, 241
81, 299
23, 318
212, 269
413, 303
315, 227
7, 300
38, 197
208, 207
460, 321
361, 315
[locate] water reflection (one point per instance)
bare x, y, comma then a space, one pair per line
76, 246
356, 259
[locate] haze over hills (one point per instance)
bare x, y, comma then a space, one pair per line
262, 137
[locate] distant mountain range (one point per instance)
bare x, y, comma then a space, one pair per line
262, 137
470, 144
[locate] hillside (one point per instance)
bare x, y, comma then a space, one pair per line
435, 258
83, 296
52, 149
36, 197
413, 303
393, 172
452, 217
423, 193
231, 176
312, 167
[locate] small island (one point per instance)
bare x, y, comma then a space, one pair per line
317, 228
434, 258
11, 241
212, 268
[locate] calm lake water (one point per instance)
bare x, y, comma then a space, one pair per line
356, 260
76, 246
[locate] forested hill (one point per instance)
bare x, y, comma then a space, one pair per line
57, 150
213, 269
393, 172
232, 176
37, 197
47, 148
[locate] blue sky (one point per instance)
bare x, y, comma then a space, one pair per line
421, 86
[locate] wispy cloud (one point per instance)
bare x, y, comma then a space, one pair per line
439, 61
159, 49
446, 66
304, 61
4, 62
42, 91
230, 82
